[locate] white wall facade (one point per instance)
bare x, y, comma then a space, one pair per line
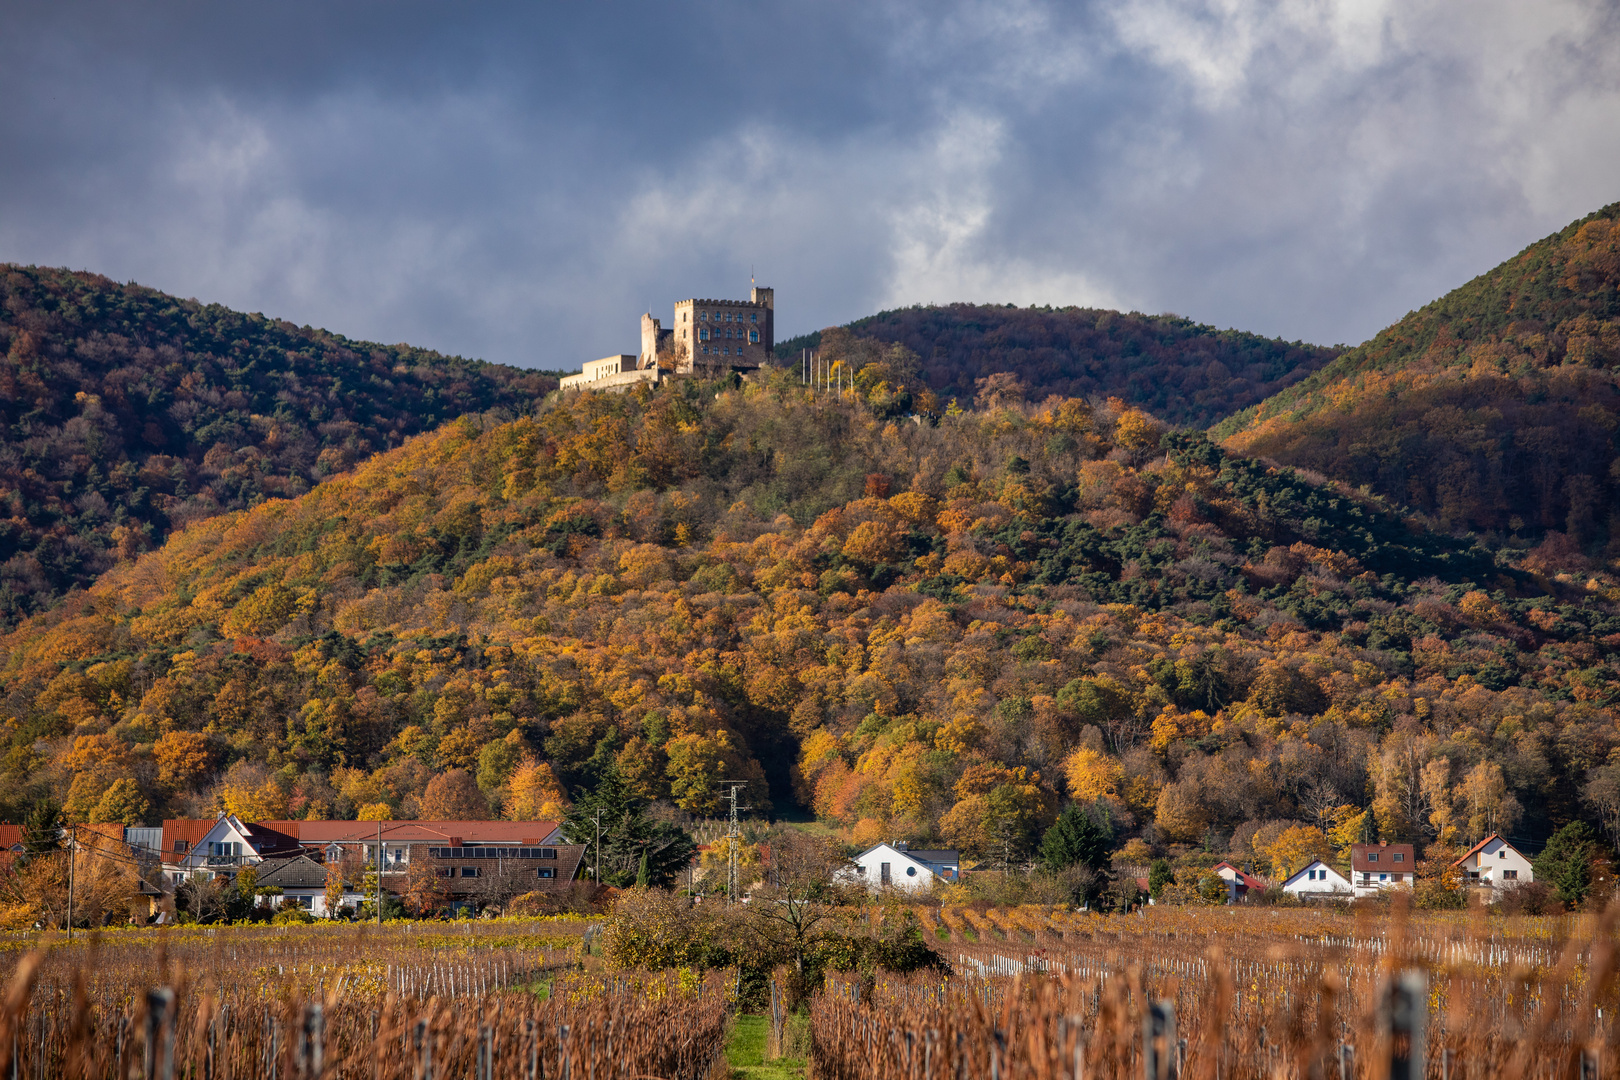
889, 867
1318, 880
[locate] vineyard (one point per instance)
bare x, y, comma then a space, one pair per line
1026, 992
468, 1000
1227, 994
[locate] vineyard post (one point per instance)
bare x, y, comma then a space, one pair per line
1403, 1008
1159, 1041
159, 1034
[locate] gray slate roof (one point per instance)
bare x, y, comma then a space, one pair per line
299, 872
948, 858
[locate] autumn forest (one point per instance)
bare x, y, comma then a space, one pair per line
261, 569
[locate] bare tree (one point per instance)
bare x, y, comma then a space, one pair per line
804, 887
500, 881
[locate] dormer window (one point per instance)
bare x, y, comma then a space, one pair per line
1372, 856
1400, 856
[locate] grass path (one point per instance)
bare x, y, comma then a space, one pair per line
745, 1053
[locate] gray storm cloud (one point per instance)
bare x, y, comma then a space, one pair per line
520, 183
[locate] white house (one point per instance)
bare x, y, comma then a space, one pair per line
895, 866
1495, 864
1376, 867
1318, 881
220, 847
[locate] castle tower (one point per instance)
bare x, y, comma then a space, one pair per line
725, 333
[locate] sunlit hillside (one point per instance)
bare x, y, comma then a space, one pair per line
125, 412
1495, 408
942, 632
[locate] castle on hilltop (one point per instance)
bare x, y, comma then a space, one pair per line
705, 336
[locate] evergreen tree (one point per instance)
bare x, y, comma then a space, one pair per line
635, 848
1159, 876
42, 831
1081, 836
1566, 862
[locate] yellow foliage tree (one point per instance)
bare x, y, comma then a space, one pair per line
1092, 774
536, 793
1293, 849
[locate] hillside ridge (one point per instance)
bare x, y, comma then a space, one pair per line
125, 412
1182, 371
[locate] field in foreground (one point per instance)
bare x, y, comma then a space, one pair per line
1028, 992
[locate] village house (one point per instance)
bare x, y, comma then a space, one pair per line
1318, 881
897, 866
1239, 883
1376, 867
1493, 863
526, 856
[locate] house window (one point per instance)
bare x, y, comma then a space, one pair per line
306, 901
547, 872
1310, 875
1372, 856
548, 853
1400, 856
1510, 875
445, 871
911, 871
883, 873
469, 871
1502, 854
1383, 877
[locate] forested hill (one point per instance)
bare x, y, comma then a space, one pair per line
939, 632
1495, 408
1181, 371
125, 412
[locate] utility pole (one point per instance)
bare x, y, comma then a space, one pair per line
73, 843
597, 848
733, 838
379, 871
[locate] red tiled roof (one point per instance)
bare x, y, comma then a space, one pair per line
1482, 843
1359, 863
287, 835
9, 835
470, 833
190, 830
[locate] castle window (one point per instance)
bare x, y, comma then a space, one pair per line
753, 337
703, 334
754, 317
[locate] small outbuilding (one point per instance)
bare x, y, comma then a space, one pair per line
1318, 881
302, 882
1239, 883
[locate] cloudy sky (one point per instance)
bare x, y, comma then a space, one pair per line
520, 181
